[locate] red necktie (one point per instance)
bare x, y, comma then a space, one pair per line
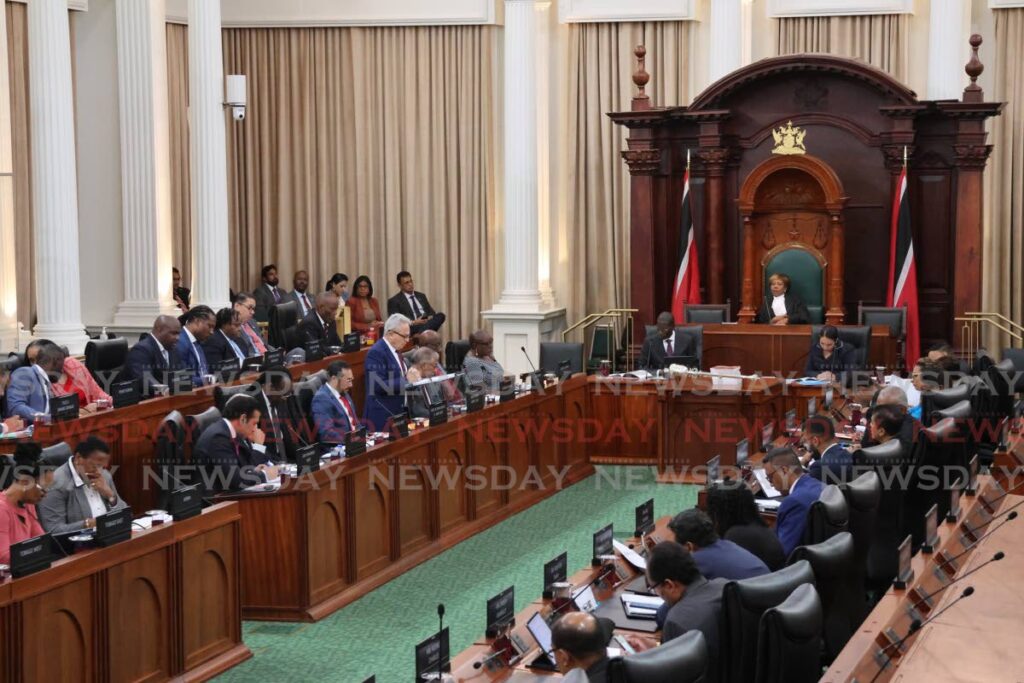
256, 341
349, 412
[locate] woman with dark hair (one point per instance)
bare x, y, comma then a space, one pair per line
365, 309
829, 357
339, 285
780, 306
732, 508
18, 518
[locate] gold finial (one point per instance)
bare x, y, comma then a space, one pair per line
789, 139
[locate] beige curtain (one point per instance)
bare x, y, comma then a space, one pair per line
1003, 250
591, 271
364, 151
17, 55
881, 40
177, 99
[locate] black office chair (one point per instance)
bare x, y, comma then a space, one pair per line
743, 604
169, 456
890, 462
554, 353
985, 421
856, 336
932, 401
709, 314
454, 354
695, 333
1001, 379
221, 394
6, 471
680, 660
1016, 356
104, 358
292, 338
894, 318
842, 595
863, 496
302, 398
828, 516
282, 317
789, 640
195, 425
11, 363
56, 455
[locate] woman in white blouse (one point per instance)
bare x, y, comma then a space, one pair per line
780, 307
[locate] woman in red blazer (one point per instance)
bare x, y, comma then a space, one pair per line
365, 309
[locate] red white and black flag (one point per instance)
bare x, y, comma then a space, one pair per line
903, 268
686, 289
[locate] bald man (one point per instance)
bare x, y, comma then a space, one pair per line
319, 325
154, 355
580, 641
479, 365
896, 397
667, 340
300, 294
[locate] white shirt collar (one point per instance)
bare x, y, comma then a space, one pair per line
74, 474
231, 428
334, 392
270, 287
191, 337
322, 322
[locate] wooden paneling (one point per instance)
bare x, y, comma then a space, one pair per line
370, 521
62, 634
449, 466
412, 496
139, 620
210, 588
328, 559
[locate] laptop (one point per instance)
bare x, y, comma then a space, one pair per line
541, 633
688, 361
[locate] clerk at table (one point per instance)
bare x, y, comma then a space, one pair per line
780, 306
830, 359
82, 490
782, 465
664, 342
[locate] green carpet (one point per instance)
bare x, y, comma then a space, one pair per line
376, 635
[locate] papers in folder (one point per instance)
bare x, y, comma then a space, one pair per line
766, 486
630, 555
638, 606
768, 505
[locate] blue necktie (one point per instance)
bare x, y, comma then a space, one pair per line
199, 357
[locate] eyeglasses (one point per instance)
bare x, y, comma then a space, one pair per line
403, 336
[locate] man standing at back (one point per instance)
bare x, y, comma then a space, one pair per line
387, 373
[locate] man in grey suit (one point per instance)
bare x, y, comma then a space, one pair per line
82, 490
268, 294
694, 602
300, 294
419, 399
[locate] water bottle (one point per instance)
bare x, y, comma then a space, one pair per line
103, 334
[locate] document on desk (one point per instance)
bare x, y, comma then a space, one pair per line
433, 380
766, 486
768, 505
630, 555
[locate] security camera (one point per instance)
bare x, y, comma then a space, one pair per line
234, 96
238, 113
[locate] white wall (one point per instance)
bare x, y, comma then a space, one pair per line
347, 12
99, 162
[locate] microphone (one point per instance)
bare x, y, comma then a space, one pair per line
440, 630
528, 360
1012, 516
995, 558
915, 626
183, 485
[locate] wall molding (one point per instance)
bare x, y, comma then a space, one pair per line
819, 8
1005, 4
75, 5
312, 13
582, 11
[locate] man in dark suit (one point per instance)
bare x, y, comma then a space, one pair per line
255, 343
715, 557
268, 293
154, 355
782, 465
414, 306
667, 340
419, 399
226, 343
580, 641
387, 373
300, 293
197, 325
231, 450
319, 324
829, 461
182, 295
334, 411
31, 386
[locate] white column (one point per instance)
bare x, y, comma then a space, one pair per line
729, 42
522, 318
9, 327
949, 27
54, 179
547, 163
208, 147
145, 162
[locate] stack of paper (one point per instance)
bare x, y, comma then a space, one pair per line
638, 606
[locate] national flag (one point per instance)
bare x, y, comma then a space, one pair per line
903, 269
686, 289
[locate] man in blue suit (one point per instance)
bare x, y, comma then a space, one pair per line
334, 411
31, 386
782, 465
154, 355
197, 325
387, 373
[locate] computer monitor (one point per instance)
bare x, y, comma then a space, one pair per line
584, 598
742, 452
541, 632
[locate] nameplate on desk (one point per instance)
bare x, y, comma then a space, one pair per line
931, 530
228, 369
307, 458
355, 442
904, 571
644, 518
501, 611
64, 407
273, 359
506, 389
179, 382
537, 382
438, 413
254, 363
603, 542
564, 370
314, 350
972, 477
125, 394
31, 556
556, 571
954, 503
114, 527
433, 654
474, 400
350, 343
400, 425
184, 503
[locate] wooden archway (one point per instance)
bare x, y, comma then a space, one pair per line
805, 194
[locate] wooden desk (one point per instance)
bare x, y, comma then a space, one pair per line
163, 605
130, 431
325, 539
976, 634
769, 349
